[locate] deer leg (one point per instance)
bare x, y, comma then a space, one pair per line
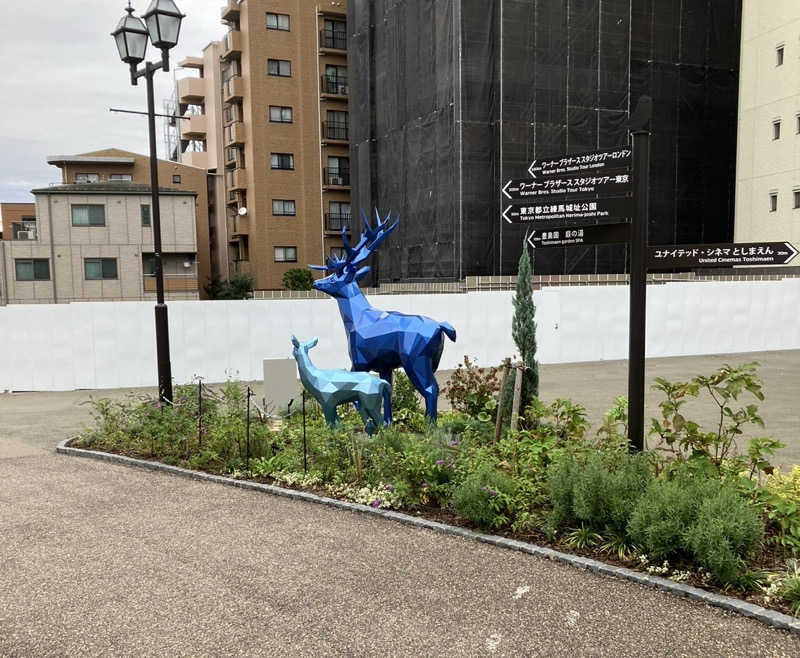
362, 405
331, 417
420, 372
386, 375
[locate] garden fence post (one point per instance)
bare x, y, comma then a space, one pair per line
199, 414
305, 454
249, 393
498, 423
517, 396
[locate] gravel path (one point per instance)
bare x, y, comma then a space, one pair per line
100, 559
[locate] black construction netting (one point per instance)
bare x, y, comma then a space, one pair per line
440, 120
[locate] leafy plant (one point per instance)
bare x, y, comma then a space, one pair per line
297, 279
583, 537
471, 389
685, 440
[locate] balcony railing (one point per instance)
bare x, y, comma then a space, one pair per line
337, 177
336, 221
335, 130
172, 282
334, 39
335, 84
23, 231
233, 88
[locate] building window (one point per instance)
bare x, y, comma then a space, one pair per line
283, 207
776, 130
279, 67
281, 160
176, 179
336, 125
88, 215
285, 254
280, 114
278, 22
145, 212
335, 80
338, 215
338, 253
797, 198
773, 201
87, 178
100, 268
334, 34
779, 55
125, 178
338, 171
32, 269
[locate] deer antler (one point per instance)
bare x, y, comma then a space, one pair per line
371, 239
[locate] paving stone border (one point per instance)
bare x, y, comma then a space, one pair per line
770, 617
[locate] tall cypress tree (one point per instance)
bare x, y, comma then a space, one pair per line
523, 326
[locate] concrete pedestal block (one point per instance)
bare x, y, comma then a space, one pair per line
281, 385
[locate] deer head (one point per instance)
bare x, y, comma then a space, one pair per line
342, 272
302, 347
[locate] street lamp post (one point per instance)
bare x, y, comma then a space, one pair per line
163, 25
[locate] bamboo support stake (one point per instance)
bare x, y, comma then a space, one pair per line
517, 396
498, 424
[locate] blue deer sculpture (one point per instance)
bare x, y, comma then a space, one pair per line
383, 340
334, 387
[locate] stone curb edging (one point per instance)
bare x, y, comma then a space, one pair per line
769, 617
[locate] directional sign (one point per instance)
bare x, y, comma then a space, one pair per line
592, 163
569, 210
720, 255
552, 189
569, 236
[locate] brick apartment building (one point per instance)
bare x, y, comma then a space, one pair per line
268, 116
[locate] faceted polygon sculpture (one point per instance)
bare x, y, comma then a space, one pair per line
383, 340
334, 387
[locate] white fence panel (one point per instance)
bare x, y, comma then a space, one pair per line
112, 344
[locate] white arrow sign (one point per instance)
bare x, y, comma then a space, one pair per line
505, 215
505, 188
530, 169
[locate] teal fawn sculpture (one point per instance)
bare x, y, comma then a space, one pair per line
334, 387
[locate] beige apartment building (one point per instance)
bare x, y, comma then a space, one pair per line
268, 115
94, 242
768, 161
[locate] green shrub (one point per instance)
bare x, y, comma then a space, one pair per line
297, 278
704, 521
664, 513
597, 494
484, 498
726, 531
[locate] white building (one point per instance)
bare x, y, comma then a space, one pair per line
768, 161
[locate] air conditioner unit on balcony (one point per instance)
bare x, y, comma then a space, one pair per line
26, 235
336, 180
341, 89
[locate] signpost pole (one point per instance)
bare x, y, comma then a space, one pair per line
638, 280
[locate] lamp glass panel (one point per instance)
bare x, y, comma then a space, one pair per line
137, 45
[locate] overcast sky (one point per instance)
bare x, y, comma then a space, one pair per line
61, 73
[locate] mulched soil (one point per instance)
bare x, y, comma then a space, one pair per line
769, 558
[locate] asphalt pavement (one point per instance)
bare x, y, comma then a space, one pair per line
100, 559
